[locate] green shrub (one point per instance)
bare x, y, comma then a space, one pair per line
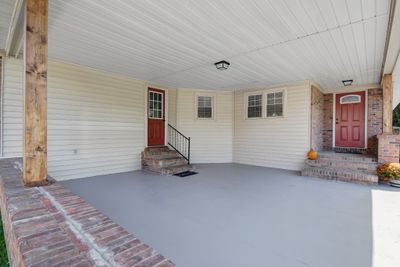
389, 171
3, 250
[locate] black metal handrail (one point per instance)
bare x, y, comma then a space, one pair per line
179, 142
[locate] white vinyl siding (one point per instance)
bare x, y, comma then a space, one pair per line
12, 108
282, 142
95, 120
96, 123
172, 94
211, 140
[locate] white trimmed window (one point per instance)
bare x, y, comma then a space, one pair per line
254, 106
274, 104
205, 107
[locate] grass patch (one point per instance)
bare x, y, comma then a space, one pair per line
3, 250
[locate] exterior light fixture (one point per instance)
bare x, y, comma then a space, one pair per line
347, 82
222, 65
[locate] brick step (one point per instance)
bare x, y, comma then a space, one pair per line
158, 150
341, 175
350, 150
164, 155
347, 157
365, 166
166, 162
169, 170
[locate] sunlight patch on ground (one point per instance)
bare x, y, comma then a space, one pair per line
386, 228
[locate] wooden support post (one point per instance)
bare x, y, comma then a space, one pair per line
387, 104
35, 97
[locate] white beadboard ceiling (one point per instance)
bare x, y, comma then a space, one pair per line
267, 42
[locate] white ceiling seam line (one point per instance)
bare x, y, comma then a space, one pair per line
270, 46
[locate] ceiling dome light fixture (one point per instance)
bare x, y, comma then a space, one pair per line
347, 82
222, 65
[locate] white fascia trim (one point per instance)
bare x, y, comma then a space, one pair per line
392, 48
16, 30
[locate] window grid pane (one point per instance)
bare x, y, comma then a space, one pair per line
155, 105
275, 104
254, 106
204, 107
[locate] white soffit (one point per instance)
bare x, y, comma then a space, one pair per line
6, 10
267, 42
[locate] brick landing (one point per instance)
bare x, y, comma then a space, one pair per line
51, 226
345, 167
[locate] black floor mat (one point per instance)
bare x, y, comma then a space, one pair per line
186, 173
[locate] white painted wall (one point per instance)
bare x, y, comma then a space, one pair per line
211, 139
274, 142
95, 120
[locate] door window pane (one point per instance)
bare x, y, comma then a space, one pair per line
155, 105
350, 99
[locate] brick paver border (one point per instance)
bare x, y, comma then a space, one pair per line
51, 226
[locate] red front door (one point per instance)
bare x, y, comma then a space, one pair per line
350, 120
155, 117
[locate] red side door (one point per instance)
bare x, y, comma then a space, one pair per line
155, 117
350, 120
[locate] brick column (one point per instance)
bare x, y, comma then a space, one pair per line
388, 148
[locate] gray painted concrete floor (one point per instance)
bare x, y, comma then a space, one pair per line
237, 215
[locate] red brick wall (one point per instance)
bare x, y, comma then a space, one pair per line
389, 148
327, 123
374, 120
317, 117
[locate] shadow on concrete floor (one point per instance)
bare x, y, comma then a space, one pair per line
239, 215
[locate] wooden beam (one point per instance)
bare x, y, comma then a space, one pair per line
387, 104
35, 98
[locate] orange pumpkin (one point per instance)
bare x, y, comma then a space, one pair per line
312, 154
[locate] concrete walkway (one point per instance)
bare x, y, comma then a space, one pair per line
237, 215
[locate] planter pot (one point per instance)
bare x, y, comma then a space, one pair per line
395, 183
